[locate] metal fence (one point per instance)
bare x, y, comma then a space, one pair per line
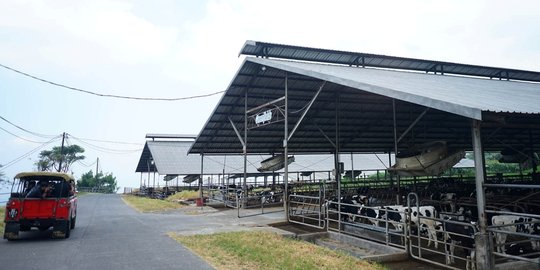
307, 210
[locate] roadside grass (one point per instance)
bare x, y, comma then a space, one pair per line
266, 250
183, 195
2, 215
146, 205
82, 193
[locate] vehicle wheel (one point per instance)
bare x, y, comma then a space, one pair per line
73, 222
68, 229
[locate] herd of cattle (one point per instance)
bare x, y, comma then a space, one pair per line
446, 218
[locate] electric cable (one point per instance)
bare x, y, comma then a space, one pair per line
109, 95
20, 136
29, 153
105, 149
26, 130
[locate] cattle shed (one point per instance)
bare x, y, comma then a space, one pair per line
167, 155
287, 100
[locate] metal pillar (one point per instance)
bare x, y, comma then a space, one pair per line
352, 167
336, 162
244, 188
201, 180
484, 260
398, 196
286, 150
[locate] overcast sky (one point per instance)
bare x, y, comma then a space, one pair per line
169, 49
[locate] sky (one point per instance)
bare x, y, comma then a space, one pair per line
172, 49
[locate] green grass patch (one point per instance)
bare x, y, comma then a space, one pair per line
266, 250
3, 215
183, 195
143, 204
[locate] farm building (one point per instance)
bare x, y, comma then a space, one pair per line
289, 100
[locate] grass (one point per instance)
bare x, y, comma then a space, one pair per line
183, 195
266, 250
2, 215
146, 205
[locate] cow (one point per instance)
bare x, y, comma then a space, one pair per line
458, 232
445, 199
372, 214
513, 223
349, 207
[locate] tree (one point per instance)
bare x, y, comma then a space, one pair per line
2, 175
50, 159
102, 183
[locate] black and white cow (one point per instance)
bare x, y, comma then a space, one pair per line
349, 208
462, 233
372, 214
397, 215
513, 223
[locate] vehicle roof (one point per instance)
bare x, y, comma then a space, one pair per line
45, 175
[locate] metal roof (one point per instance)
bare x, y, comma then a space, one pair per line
459, 95
272, 50
428, 107
45, 175
171, 158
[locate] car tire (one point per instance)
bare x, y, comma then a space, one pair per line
68, 230
73, 220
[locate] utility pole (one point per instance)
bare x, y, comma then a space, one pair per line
96, 176
61, 152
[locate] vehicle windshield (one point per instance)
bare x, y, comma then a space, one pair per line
42, 188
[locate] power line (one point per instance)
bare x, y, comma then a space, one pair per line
20, 136
106, 141
105, 149
108, 95
26, 130
31, 152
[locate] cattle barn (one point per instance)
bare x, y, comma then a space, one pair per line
288, 100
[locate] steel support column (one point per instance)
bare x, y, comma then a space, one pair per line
398, 196
484, 259
244, 188
286, 151
336, 161
201, 179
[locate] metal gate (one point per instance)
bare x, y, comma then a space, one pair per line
436, 241
308, 210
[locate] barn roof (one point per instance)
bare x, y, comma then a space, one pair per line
357, 103
171, 158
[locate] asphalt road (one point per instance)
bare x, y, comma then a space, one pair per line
108, 235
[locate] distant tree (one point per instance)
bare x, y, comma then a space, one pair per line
49, 160
2, 176
104, 183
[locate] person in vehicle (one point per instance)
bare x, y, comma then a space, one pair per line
29, 186
40, 190
61, 189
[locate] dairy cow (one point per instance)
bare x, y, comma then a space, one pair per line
513, 223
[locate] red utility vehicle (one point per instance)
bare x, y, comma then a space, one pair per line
41, 200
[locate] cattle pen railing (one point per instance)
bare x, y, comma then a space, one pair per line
307, 210
246, 205
381, 229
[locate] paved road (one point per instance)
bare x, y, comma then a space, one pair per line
108, 235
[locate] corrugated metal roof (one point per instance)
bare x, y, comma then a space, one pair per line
273, 50
171, 158
364, 98
458, 95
